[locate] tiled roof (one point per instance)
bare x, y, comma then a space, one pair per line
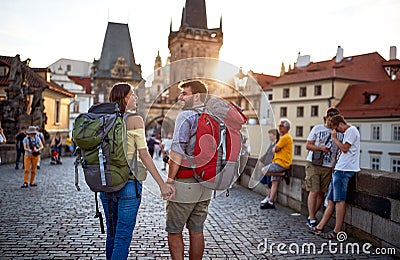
366, 67
386, 103
265, 81
84, 82
33, 78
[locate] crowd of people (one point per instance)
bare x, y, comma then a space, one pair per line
335, 141
333, 158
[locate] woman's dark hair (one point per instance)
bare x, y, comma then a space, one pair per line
118, 93
274, 132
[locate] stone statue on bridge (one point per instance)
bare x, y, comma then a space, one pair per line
24, 105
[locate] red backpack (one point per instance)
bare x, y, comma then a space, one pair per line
218, 145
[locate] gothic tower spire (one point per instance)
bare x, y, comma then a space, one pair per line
194, 14
193, 40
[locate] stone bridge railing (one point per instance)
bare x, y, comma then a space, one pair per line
373, 203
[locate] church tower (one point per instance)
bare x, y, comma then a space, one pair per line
160, 80
117, 62
193, 39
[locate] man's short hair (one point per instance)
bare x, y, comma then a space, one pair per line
338, 119
332, 111
286, 122
197, 87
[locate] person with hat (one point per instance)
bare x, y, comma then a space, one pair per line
32, 145
318, 175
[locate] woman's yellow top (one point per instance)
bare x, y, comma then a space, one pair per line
138, 137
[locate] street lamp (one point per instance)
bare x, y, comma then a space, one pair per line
240, 84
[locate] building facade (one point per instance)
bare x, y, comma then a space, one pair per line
304, 93
74, 76
374, 108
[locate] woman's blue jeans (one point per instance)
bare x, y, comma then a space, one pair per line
125, 206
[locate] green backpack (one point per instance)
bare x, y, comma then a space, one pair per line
99, 136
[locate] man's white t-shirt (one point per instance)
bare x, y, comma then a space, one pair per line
350, 161
321, 134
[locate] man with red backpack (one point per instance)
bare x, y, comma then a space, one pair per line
190, 204
205, 156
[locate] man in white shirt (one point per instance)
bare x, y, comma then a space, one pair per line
347, 165
319, 176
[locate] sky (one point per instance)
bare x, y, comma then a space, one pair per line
258, 34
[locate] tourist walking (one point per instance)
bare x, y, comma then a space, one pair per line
190, 205
56, 145
165, 148
32, 146
125, 202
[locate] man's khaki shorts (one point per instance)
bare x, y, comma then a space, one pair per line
317, 177
189, 207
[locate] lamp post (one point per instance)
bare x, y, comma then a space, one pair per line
240, 84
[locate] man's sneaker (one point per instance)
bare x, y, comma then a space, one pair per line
311, 223
268, 205
265, 200
38, 167
286, 177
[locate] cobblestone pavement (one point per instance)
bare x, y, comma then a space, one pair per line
54, 221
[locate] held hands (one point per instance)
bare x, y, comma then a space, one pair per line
172, 196
167, 190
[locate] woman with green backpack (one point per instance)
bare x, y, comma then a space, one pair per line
125, 202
